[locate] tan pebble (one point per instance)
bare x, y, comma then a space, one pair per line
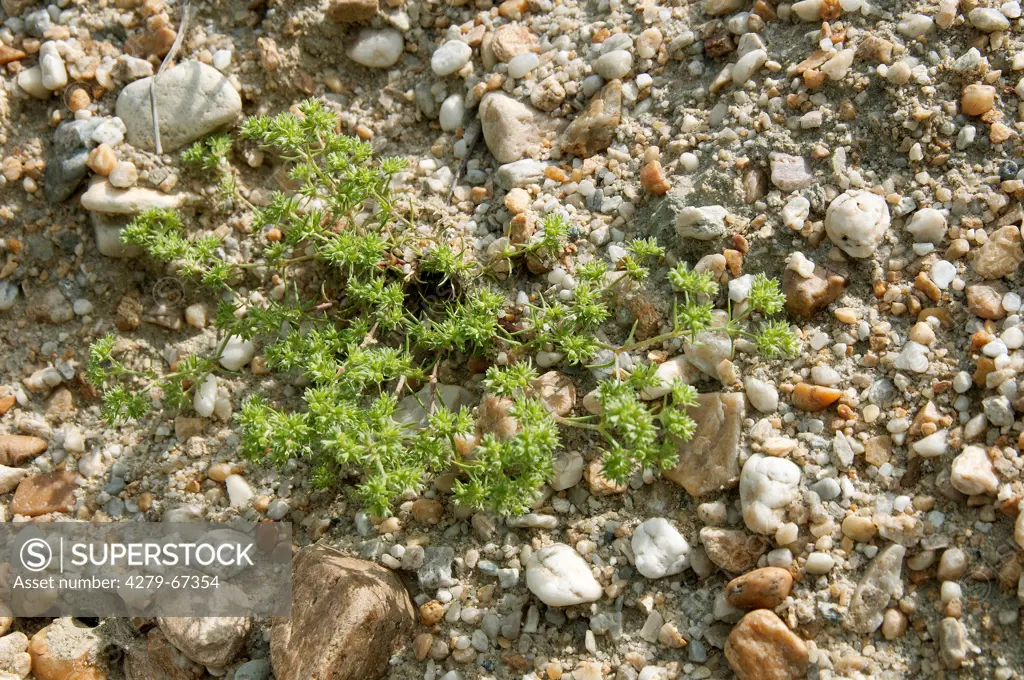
12, 168
219, 472
764, 588
421, 645
389, 526
553, 670
860, 529
1000, 132
761, 647
79, 99
16, 449
364, 133
669, 636
102, 160
517, 200
814, 398
146, 501
195, 315
922, 333
259, 366
431, 612
978, 99
427, 511
847, 315
261, 503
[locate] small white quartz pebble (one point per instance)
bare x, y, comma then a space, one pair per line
239, 492
767, 486
613, 65
795, 213
452, 113
856, 221
747, 65
819, 563
761, 394
237, 353
450, 57
927, 225
560, 577
972, 472
206, 396
933, 445
377, 48
942, 273
124, 175
660, 550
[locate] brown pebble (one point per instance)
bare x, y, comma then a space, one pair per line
761, 647
431, 612
16, 449
79, 99
764, 588
653, 180
43, 494
978, 99
814, 398
427, 511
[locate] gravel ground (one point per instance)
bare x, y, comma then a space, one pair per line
852, 512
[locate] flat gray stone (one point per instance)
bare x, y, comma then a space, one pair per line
66, 163
193, 100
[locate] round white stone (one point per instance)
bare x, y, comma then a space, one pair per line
239, 492
767, 486
613, 65
450, 57
747, 65
927, 225
560, 577
942, 273
51, 66
856, 221
819, 563
972, 472
659, 549
377, 48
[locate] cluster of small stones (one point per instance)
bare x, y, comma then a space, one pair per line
850, 513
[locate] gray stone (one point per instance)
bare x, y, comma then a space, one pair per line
66, 164
881, 582
998, 411
257, 669
436, 571
703, 223
789, 173
213, 641
594, 128
193, 100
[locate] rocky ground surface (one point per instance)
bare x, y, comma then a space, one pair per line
851, 513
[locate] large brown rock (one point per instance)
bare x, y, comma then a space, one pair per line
16, 449
807, 297
43, 494
761, 647
710, 460
348, 617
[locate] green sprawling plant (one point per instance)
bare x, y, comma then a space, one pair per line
373, 303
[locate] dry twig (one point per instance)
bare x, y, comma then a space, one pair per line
168, 58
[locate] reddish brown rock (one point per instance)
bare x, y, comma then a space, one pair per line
43, 494
16, 449
807, 297
761, 647
764, 588
348, 617
67, 650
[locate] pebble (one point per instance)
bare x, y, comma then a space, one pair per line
123, 175
761, 647
511, 129
762, 394
927, 225
764, 588
560, 577
237, 353
104, 197
452, 113
193, 100
880, 583
614, 65
972, 472
953, 645
767, 486
857, 221
978, 99
1000, 255
988, 19
450, 57
51, 65
747, 65
660, 550
377, 47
